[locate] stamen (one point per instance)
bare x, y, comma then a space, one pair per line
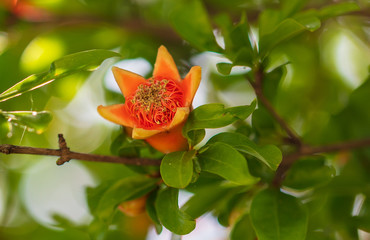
155, 102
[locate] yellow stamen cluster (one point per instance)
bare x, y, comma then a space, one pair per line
155, 102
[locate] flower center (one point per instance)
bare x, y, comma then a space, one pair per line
155, 102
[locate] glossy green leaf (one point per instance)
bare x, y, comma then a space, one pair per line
30, 120
308, 173
243, 229
225, 161
169, 213
268, 154
214, 116
278, 216
338, 9
67, 65
124, 190
177, 168
190, 19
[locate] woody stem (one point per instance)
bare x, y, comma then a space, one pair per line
66, 155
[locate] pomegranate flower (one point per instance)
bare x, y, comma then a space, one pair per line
155, 109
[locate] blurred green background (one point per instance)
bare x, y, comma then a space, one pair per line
323, 92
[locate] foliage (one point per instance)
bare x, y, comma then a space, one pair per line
277, 58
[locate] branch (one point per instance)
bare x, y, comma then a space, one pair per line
257, 85
65, 154
288, 160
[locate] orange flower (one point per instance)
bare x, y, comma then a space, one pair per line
156, 108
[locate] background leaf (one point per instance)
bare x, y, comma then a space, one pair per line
190, 20
67, 65
31, 120
123, 190
169, 213
310, 172
278, 216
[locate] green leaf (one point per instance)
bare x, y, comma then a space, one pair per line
169, 213
338, 9
195, 136
310, 172
190, 19
225, 161
65, 66
123, 190
177, 168
213, 116
205, 199
289, 7
278, 216
224, 68
268, 154
283, 31
243, 229
152, 212
310, 21
32, 121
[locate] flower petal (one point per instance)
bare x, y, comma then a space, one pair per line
141, 133
127, 81
165, 67
181, 115
169, 141
191, 83
118, 114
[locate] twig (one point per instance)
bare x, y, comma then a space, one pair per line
288, 160
257, 85
65, 154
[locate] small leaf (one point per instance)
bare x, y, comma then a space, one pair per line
152, 212
30, 120
205, 199
190, 19
308, 173
224, 68
125, 189
338, 9
278, 216
268, 154
195, 136
283, 31
65, 66
177, 168
169, 213
225, 161
214, 116
243, 229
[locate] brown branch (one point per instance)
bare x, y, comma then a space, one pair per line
257, 85
65, 154
288, 160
